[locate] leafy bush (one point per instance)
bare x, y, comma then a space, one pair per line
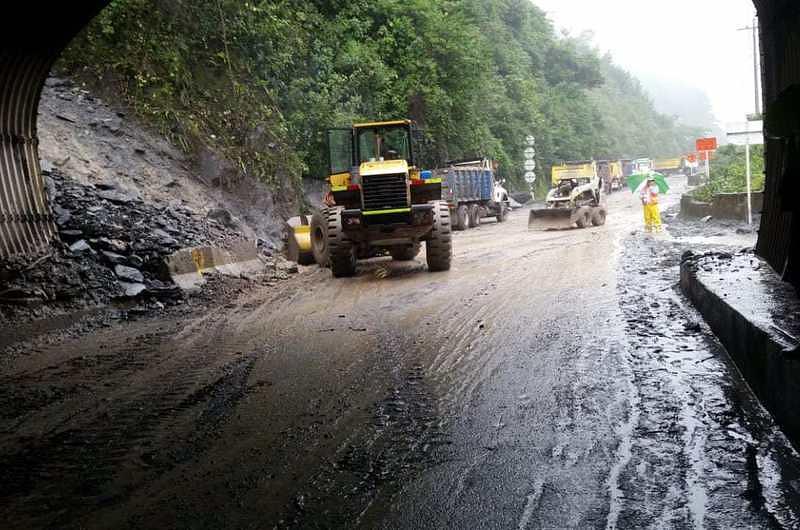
729, 172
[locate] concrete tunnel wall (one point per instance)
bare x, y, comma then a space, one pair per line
779, 236
33, 36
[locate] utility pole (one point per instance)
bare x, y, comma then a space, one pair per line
748, 176
756, 77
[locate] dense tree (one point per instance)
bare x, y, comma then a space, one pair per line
261, 80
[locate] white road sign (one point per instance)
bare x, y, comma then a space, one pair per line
530, 152
530, 177
530, 165
530, 139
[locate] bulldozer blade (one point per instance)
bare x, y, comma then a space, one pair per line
550, 219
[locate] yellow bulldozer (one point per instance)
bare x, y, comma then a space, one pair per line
380, 201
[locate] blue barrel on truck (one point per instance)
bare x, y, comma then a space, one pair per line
471, 189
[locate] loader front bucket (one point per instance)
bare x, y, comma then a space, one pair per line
298, 244
550, 219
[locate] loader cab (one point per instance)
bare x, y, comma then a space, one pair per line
370, 143
373, 166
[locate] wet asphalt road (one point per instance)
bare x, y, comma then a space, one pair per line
550, 380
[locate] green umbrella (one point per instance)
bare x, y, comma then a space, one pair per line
637, 182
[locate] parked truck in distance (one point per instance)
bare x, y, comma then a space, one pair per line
473, 192
670, 166
642, 166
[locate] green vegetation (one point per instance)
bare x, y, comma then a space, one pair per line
729, 172
261, 80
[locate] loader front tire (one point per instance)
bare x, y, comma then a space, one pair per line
598, 216
319, 238
502, 212
341, 248
583, 217
439, 246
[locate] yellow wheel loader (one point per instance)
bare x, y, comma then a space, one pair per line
380, 201
574, 200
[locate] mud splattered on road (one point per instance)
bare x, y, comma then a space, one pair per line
554, 379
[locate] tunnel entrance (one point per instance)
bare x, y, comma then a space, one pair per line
26, 58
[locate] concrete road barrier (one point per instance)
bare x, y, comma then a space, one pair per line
756, 316
187, 266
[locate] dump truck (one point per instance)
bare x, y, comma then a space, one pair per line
642, 166
380, 201
574, 200
473, 192
610, 173
670, 166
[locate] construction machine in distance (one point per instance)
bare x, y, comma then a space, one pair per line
380, 201
574, 200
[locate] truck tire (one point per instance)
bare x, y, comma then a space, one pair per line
462, 218
501, 215
406, 253
598, 216
319, 238
583, 217
439, 246
341, 248
474, 215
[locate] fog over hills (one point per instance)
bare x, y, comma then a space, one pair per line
690, 105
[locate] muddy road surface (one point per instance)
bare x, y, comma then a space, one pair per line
549, 380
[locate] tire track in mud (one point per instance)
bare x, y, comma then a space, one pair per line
97, 455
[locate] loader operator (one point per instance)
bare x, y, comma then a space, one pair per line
649, 196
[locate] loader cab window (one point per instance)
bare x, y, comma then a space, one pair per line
387, 143
340, 150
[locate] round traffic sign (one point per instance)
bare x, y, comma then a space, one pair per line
530, 152
530, 165
530, 140
530, 177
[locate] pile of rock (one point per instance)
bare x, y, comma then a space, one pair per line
112, 245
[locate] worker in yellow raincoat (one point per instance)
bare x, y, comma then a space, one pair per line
649, 196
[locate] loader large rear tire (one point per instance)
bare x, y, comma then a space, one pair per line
319, 238
342, 250
439, 246
462, 218
583, 217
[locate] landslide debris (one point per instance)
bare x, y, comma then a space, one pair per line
112, 247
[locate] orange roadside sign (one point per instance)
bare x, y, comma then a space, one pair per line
706, 144
692, 158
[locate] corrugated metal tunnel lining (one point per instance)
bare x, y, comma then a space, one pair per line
25, 220
33, 35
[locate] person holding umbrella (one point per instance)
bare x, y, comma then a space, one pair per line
649, 185
649, 196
